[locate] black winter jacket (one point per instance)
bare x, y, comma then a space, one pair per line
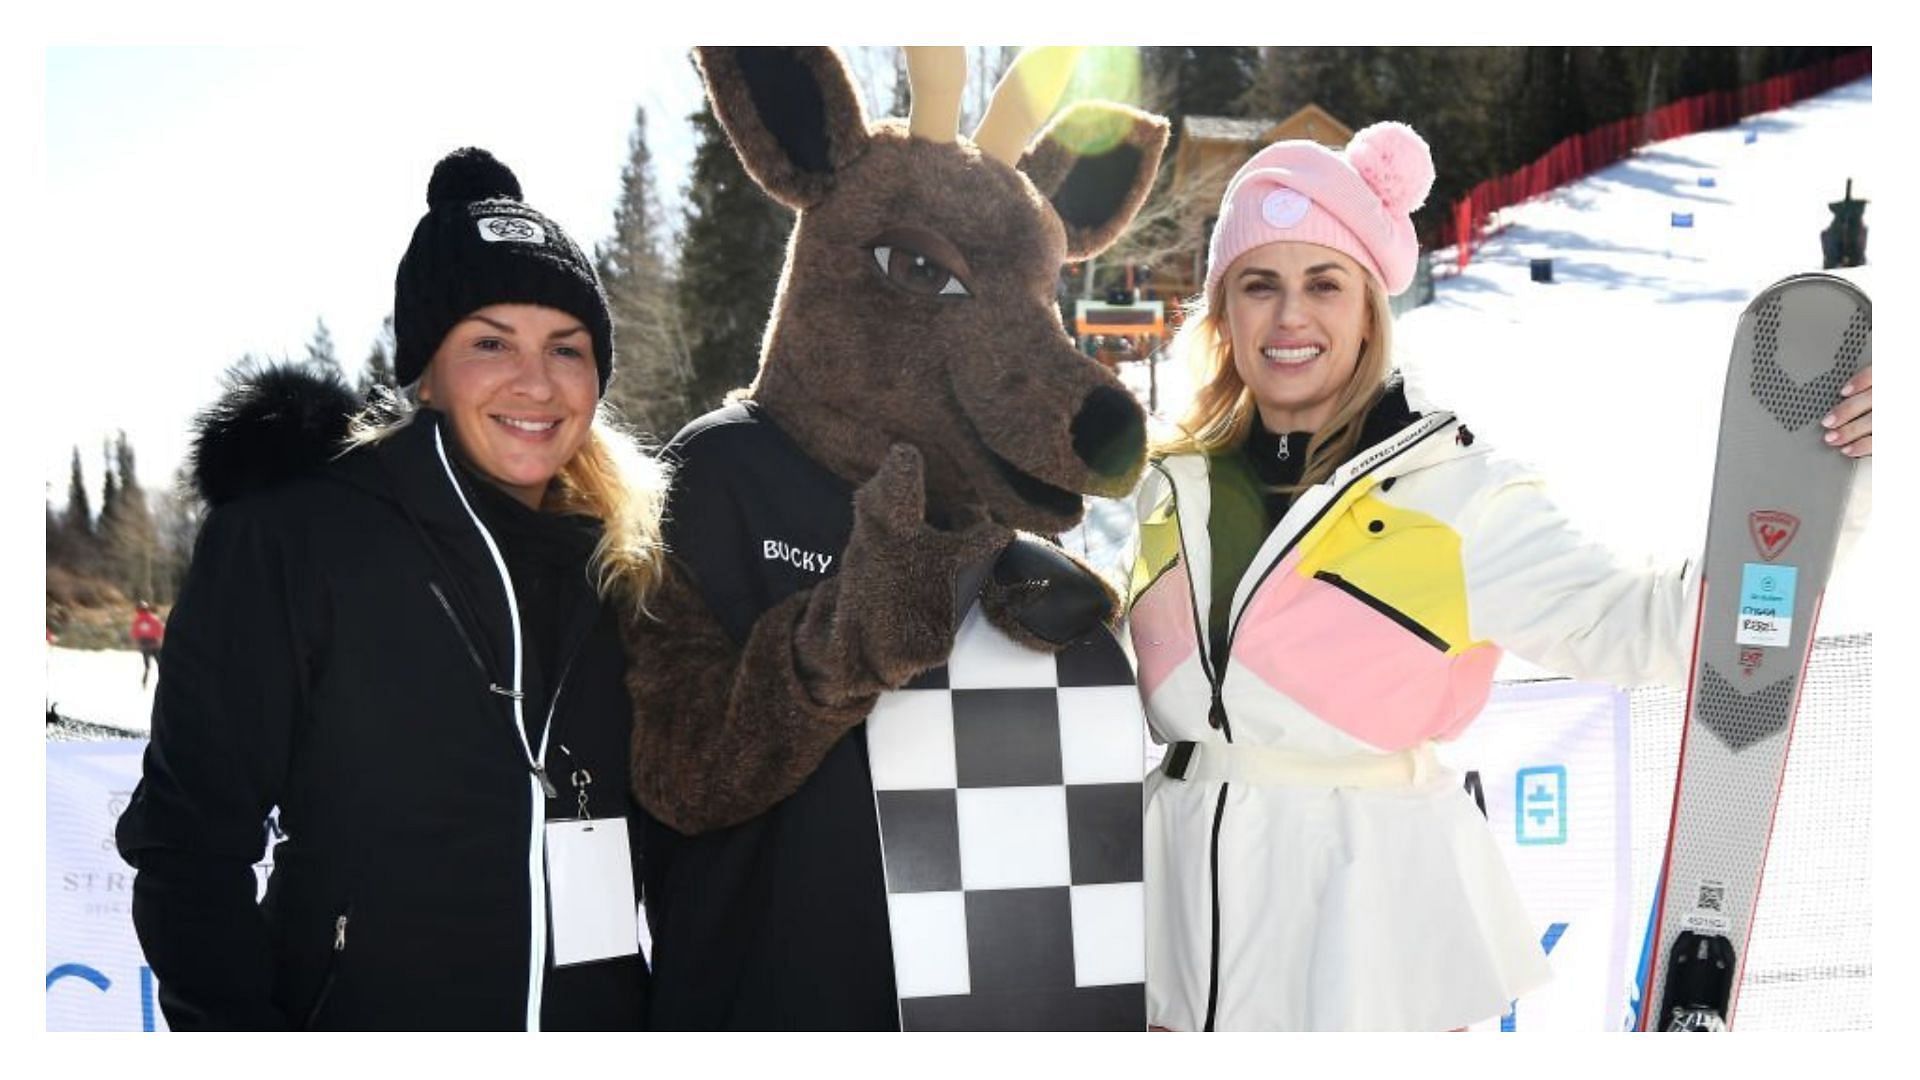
331, 655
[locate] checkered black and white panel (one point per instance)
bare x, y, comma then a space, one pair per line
1008, 786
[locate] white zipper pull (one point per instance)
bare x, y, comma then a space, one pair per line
1283, 453
340, 934
546, 785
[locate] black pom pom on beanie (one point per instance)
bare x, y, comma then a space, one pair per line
480, 244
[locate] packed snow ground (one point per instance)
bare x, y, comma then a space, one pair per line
100, 686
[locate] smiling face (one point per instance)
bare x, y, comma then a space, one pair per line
1297, 316
518, 385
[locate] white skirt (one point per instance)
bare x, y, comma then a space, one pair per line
1340, 909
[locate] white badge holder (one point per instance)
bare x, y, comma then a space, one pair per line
591, 899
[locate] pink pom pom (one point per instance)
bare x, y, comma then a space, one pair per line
1395, 162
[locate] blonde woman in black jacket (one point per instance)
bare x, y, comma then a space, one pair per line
399, 630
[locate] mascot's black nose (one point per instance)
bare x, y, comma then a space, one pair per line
1110, 434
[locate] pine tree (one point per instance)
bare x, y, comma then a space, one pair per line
378, 370
1466, 102
320, 350
59, 545
986, 66
127, 535
78, 522
105, 524
902, 87
879, 77
1176, 82
1704, 68
1199, 81
730, 261
649, 386
177, 514
1457, 98
250, 366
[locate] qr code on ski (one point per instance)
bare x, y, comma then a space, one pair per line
1713, 897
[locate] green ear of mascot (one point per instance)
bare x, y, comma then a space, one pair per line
920, 419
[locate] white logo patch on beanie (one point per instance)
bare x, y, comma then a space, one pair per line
1283, 208
515, 230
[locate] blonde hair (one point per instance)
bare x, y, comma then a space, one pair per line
1223, 412
610, 478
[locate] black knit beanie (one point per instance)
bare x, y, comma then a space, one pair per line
478, 245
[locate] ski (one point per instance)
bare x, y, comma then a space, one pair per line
1779, 493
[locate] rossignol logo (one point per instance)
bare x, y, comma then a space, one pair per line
1772, 531
515, 230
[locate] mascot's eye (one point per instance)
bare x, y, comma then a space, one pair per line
917, 273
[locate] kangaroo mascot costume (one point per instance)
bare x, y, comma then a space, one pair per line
848, 518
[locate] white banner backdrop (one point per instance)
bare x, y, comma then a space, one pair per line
1552, 761
97, 979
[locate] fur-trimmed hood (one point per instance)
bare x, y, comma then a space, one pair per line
268, 427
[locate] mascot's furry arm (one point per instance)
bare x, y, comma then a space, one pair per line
722, 731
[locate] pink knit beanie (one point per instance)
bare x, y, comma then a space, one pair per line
1358, 202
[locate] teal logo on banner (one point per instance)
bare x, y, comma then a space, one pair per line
1540, 805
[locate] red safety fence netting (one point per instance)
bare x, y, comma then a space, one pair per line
1579, 155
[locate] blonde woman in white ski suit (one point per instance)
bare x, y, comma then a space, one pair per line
1325, 582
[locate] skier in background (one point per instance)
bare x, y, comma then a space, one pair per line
147, 632
1325, 580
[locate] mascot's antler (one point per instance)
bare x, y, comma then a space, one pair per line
1023, 101
936, 74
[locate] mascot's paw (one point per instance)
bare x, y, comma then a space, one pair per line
903, 585
893, 542
1043, 597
